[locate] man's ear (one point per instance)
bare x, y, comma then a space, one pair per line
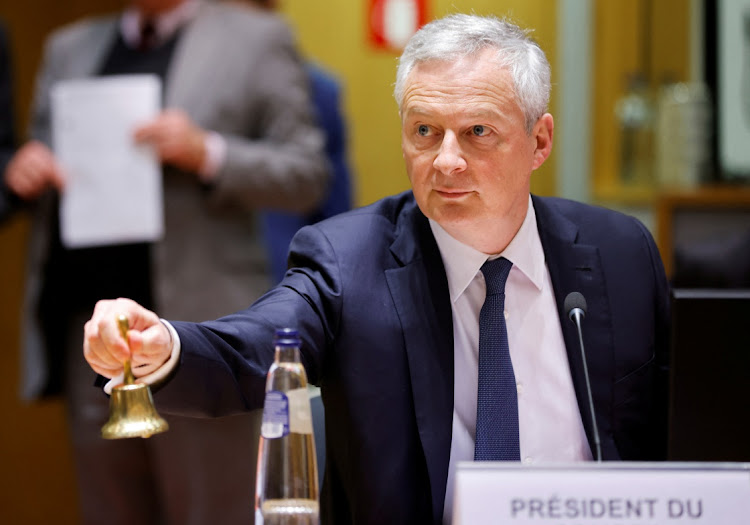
542, 133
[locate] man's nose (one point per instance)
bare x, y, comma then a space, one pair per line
450, 158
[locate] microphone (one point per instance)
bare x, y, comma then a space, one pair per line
575, 305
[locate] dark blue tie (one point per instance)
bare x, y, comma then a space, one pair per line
497, 399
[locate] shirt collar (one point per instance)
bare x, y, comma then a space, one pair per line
462, 262
166, 24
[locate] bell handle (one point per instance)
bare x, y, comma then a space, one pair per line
122, 323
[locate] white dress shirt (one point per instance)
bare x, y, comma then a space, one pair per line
550, 425
166, 24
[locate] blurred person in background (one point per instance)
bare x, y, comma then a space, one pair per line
237, 133
279, 227
7, 133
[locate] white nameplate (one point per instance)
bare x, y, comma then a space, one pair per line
606, 493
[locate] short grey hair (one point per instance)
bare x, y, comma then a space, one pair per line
460, 35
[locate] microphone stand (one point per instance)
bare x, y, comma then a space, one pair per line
576, 305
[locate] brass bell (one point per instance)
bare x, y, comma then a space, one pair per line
131, 407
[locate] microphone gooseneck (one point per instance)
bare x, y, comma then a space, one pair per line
575, 306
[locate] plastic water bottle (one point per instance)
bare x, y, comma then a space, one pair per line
286, 488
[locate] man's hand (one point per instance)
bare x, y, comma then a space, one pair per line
177, 139
106, 350
32, 170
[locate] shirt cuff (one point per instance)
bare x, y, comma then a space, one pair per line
216, 153
160, 373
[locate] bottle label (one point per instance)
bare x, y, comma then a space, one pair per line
275, 415
300, 418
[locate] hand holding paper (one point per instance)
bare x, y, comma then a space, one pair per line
176, 139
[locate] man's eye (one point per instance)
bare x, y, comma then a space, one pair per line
423, 130
479, 130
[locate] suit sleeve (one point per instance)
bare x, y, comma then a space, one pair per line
223, 363
660, 403
47, 75
284, 167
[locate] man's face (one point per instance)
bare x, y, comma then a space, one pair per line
467, 152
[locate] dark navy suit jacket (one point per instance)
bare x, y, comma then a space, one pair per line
369, 294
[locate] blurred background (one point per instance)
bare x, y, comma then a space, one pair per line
651, 100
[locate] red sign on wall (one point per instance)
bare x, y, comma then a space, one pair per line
392, 22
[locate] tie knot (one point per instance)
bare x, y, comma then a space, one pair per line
495, 274
149, 37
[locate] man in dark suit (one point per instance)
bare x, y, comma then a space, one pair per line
389, 299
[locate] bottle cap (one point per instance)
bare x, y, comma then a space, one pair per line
286, 337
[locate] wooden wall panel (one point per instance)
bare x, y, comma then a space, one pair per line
37, 484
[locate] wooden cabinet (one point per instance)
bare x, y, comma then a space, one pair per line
711, 214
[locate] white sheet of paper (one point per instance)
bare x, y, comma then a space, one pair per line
113, 192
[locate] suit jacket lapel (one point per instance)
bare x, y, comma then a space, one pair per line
196, 48
90, 58
577, 267
420, 292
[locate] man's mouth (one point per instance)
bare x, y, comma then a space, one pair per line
452, 193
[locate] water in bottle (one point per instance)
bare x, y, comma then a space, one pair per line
287, 477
